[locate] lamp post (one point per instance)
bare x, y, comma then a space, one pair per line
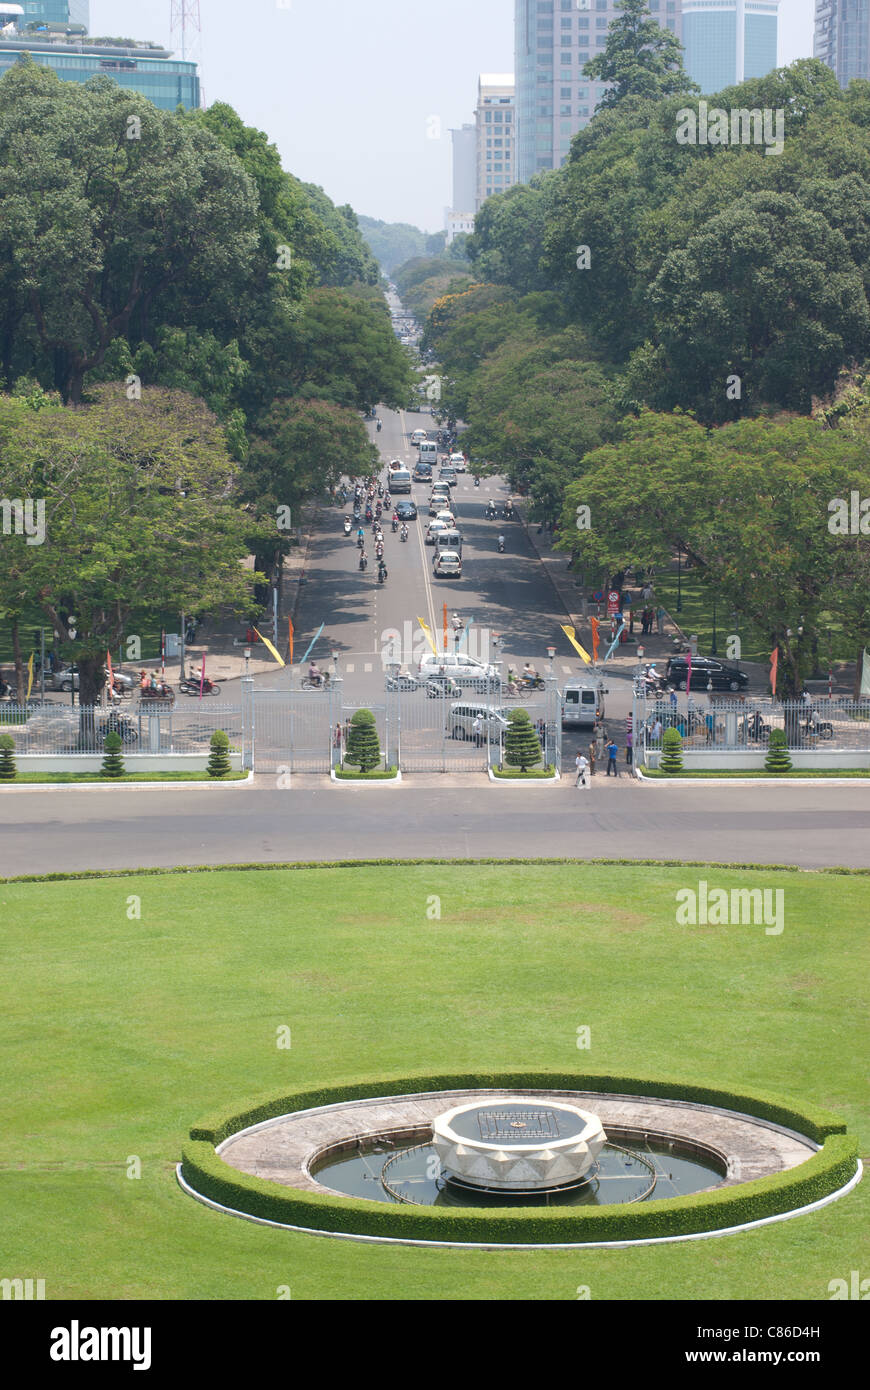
335, 656
247, 661
680, 579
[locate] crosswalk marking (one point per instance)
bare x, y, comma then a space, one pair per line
368, 667
349, 668
566, 670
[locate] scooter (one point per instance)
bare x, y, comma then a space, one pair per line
403, 534
395, 525
363, 561
191, 686
501, 545
347, 526
360, 542
477, 482
382, 573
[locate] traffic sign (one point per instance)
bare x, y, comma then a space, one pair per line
613, 601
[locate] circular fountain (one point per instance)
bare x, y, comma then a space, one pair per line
517, 1145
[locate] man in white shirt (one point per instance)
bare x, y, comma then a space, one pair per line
581, 765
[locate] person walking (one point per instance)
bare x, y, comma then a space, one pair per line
612, 752
477, 730
629, 747
581, 765
592, 756
660, 620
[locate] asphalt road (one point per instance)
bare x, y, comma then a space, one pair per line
64, 830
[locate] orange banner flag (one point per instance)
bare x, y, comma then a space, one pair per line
594, 624
774, 665
290, 634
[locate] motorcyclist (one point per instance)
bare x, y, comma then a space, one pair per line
360, 538
395, 522
382, 571
314, 673
529, 673
501, 543
363, 560
403, 534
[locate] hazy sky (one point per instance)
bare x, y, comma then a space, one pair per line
348, 89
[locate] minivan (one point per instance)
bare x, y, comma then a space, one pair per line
449, 540
580, 701
460, 667
460, 721
400, 480
428, 452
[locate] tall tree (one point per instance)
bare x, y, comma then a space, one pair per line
640, 58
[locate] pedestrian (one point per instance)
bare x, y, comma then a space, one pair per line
592, 756
612, 752
629, 747
581, 765
657, 731
477, 730
673, 699
646, 592
660, 620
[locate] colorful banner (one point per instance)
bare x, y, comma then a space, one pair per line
29, 676
689, 672
774, 667
445, 627
465, 632
596, 637
865, 674
429, 638
202, 677
268, 645
310, 645
569, 633
614, 645
291, 634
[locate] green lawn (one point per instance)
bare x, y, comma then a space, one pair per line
117, 1034
66, 778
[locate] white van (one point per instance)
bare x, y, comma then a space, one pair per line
448, 540
580, 700
400, 481
428, 452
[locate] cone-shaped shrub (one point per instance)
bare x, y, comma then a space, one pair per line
522, 747
778, 758
113, 763
8, 770
218, 764
672, 751
363, 745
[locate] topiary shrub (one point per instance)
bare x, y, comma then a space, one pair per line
218, 764
522, 747
113, 763
8, 770
672, 751
778, 758
363, 745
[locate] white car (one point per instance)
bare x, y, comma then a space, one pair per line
418, 437
433, 528
457, 462
449, 563
448, 517
459, 667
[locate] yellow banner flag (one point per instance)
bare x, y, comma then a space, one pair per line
266, 643
569, 633
30, 675
428, 635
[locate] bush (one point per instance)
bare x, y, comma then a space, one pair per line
363, 745
778, 758
522, 747
8, 770
672, 751
113, 763
218, 764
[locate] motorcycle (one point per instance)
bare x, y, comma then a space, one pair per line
388, 501
363, 561
754, 728
347, 526
370, 516
319, 682
360, 542
380, 489
508, 511
382, 574
379, 552
163, 694
490, 512
477, 482
531, 683
379, 427
120, 725
395, 525
501, 545
191, 686
403, 534
402, 680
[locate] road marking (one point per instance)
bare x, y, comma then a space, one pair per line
367, 668
566, 670
350, 668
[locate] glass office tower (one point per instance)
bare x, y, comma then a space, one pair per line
842, 38
728, 41
553, 40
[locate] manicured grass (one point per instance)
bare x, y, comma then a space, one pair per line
512, 773
64, 778
349, 774
119, 1033
815, 772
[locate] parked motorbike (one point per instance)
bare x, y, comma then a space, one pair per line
119, 724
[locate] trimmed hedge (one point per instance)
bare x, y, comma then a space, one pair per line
820, 1175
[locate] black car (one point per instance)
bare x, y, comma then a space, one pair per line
705, 671
406, 510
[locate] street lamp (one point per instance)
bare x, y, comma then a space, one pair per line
551, 655
680, 579
335, 655
247, 661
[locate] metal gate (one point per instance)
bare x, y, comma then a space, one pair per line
385, 722
292, 729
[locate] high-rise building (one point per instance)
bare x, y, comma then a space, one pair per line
728, 41
54, 33
496, 136
842, 38
464, 168
554, 39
